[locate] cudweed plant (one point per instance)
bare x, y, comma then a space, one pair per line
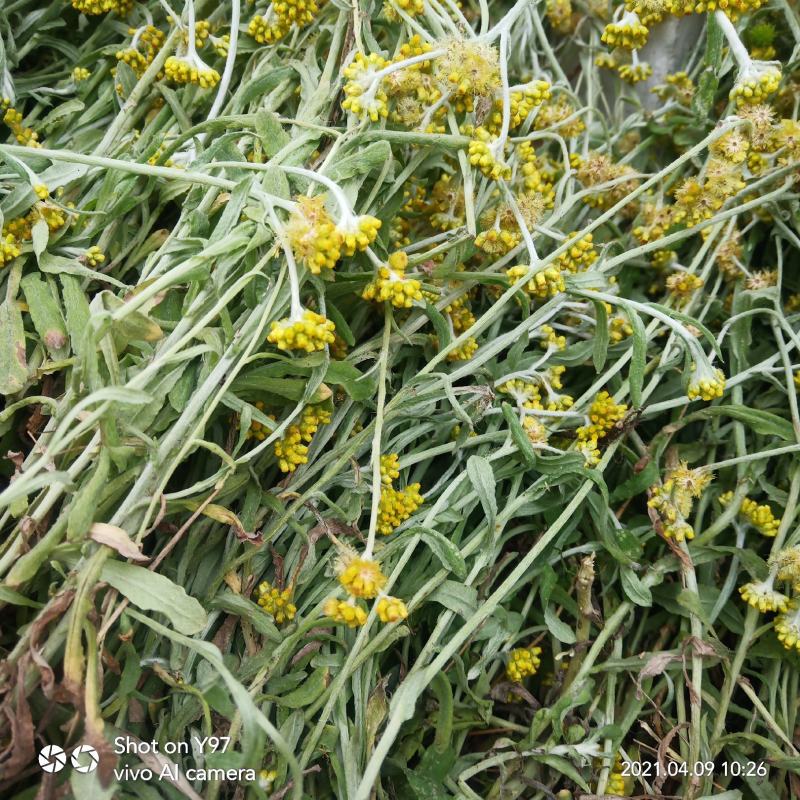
405, 391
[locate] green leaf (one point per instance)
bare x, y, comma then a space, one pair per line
256, 383
16, 599
77, 311
439, 324
518, 435
46, 315
134, 326
40, 235
360, 387
153, 592
13, 361
637, 484
636, 591
456, 597
481, 476
762, 422
84, 504
307, 692
447, 553
600, 344
559, 629
638, 355
366, 159
691, 602
273, 136
565, 768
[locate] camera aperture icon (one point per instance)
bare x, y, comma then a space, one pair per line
84, 758
52, 758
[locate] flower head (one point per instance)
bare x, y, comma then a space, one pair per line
315, 239
311, 332
755, 83
763, 596
396, 506
358, 233
522, 663
361, 577
392, 285
628, 32
346, 612
391, 609
276, 602
390, 468
364, 95
787, 626
8, 249
185, 70
707, 383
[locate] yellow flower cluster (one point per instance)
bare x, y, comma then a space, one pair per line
635, 73
616, 780
549, 338
534, 178
411, 7
763, 596
96, 7
392, 285
482, 156
759, 516
313, 235
527, 393
276, 602
391, 609
682, 285
619, 328
289, 449
346, 612
13, 118
361, 577
603, 415
628, 33
679, 86
358, 234
561, 116
498, 241
80, 74
581, 254
8, 249
523, 662
675, 497
396, 506
787, 626
756, 85
284, 14
464, 351
560, 16
390, 468
597, 169
148, 41
545, 283
265, 31
364, 95
310, 333
733, 147
471, 68
94, 256
182, 70
707, 385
